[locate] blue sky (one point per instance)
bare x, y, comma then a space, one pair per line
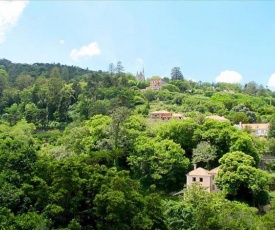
209, 40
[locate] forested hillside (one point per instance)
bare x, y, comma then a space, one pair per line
78, 151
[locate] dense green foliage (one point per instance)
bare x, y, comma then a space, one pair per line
78, 151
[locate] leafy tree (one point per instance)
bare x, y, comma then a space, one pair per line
65, 73
226, 138
98, 138
244, 142
91, 89
17, 159
251, 115
204, 152
179, 215
66, 96
184, 86
55, 73
250, 88
239, 117
270, 146
150, 95
238, 178
112, 201
170, 87
159, 162
24, 81
53, 96
155, 211
13, 114
199, 209
176, 74
3, 80
165, 95
181, 132
9, 96
31, 220
267, 220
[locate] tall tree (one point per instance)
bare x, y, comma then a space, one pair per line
3, 80
250, 88
65, 73
119, 68
24, 81
271, 131
119, 115
176, 74
111, 69
55, 72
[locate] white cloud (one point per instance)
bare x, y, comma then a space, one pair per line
229, 76
89, 50
139, 62
271, 81
191, 79
61, 42
10, 12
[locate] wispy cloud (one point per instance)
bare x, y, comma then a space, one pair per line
139, 63
61, 42
271, 81
229, 76
89, 50
10, 12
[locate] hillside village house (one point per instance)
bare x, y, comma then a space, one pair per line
164, 115
156, 84
260, 130
204, 177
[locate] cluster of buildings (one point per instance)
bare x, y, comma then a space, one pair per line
164, 115
155, 83
260, 129
205, 177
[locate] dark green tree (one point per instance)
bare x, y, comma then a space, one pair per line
176, 74
271, 131
119, 68
239, 179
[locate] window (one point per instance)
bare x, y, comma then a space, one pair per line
193, 178
201, 179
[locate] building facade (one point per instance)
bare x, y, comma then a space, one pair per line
260, 130
140, 76
164, 115
204, 177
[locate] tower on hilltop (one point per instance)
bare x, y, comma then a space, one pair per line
140, 76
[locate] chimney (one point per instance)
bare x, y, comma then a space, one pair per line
195, 166
240, 124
